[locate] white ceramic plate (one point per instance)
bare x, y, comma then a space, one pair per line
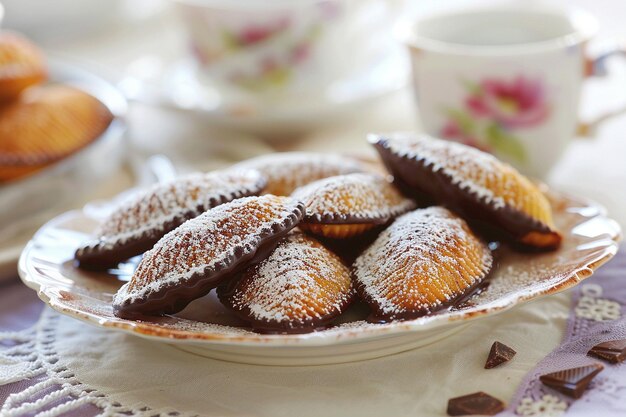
51, 190
208, 329
178, 86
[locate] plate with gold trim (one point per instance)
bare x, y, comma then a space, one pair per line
208, 329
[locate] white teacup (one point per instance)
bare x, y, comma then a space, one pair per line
505, 79
275, 48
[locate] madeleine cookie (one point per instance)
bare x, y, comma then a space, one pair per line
300, 287
474, 184
348, 205
203, 252
21, 65
46, 124
426, 260
286, 171
138, 224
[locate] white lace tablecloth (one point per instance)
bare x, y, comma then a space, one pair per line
71, 365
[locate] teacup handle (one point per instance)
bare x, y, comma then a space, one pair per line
596, 66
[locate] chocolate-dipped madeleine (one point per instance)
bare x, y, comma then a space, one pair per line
425, 260
203, 252
136, 225
348, 205
300, 287
475, 184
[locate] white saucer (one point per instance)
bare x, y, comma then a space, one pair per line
179, 86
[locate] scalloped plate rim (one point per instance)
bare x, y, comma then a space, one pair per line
328, 337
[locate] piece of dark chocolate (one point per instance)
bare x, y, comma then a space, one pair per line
572, 382
499, 354
613, 351
476, 403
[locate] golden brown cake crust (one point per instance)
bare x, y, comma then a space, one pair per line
301, 286
46, 124
426, 260
286, 171
22, 65
338, 231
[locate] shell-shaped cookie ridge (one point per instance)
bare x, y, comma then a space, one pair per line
426, 260
353, 198
299, 287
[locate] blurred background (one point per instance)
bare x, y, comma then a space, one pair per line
160, 56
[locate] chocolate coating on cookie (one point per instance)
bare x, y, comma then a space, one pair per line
138, 224
204, 252
352, 198
348, 205
490, 194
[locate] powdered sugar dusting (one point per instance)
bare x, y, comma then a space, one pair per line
356, 196
468, 167
425, 259
212, 240
181, 199
286, 171
299, 283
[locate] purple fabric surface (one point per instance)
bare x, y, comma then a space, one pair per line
19, 306
597, 314
19, 309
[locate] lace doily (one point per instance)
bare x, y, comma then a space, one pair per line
31, 354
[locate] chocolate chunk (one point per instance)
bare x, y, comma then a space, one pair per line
613, 351
476, 403
572, 382
499, 354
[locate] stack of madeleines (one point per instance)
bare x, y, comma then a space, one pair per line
40, 124
290, 240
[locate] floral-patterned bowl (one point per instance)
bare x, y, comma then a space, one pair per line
208, 329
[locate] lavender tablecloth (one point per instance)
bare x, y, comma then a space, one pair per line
20, 308
597, 314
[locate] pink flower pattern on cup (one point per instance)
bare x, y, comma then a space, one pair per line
494, 111
254, 33
280, 45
